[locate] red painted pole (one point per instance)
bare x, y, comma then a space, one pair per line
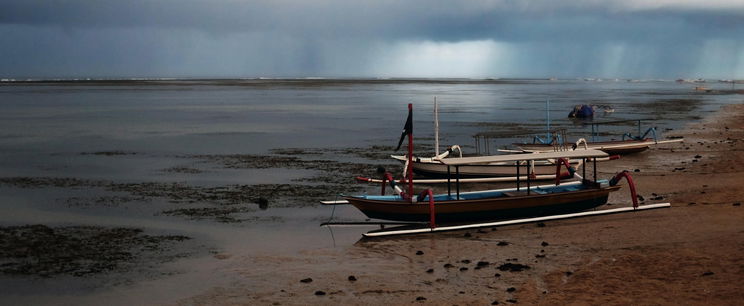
410, 155
432, 212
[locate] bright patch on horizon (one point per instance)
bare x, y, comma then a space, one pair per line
444, 59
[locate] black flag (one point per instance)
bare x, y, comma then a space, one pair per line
407, 130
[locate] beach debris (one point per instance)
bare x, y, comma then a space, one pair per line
306, 280
502, 243
640, 198
263, 203
419, 252
512, 267
352, 278
637, 170
320, 292
657, 198
544, 243
511, 289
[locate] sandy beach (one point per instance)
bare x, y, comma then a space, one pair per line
690, 253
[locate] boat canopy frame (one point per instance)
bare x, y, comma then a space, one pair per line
517, 158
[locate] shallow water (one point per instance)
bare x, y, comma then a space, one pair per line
183, 133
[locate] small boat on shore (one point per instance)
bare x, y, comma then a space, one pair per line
615, 147
627, 145
493, 204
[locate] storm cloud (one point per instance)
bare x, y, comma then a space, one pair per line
335, 38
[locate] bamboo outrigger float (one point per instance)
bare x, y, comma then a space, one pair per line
471, 207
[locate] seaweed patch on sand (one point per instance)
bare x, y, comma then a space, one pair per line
221, 201
39, 250
661, 108
102, 201
374, 152
331, 171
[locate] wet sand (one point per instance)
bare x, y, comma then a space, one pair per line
691, 253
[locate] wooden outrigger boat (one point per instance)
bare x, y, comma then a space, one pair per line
632, 144
493, 204
616, 147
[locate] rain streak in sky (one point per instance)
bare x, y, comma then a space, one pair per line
341, 38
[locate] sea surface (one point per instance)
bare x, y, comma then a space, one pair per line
197, 157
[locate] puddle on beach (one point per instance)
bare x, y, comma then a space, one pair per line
239, 170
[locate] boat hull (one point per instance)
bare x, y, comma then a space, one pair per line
501, 207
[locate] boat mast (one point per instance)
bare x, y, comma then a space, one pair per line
410, 155
436, 127
547, 115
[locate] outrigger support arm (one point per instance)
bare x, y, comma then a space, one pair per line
626, 174
651, 130
389, 177
559, 162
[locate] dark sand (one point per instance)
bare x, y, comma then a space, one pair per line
692, 253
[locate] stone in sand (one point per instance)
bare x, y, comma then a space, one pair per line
352, 278
544, 243
511, 289
307, 280
430, 271
419, 253
502, 243
421, 298
513, 267
319, 292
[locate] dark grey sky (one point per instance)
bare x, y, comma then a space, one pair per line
384, 38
